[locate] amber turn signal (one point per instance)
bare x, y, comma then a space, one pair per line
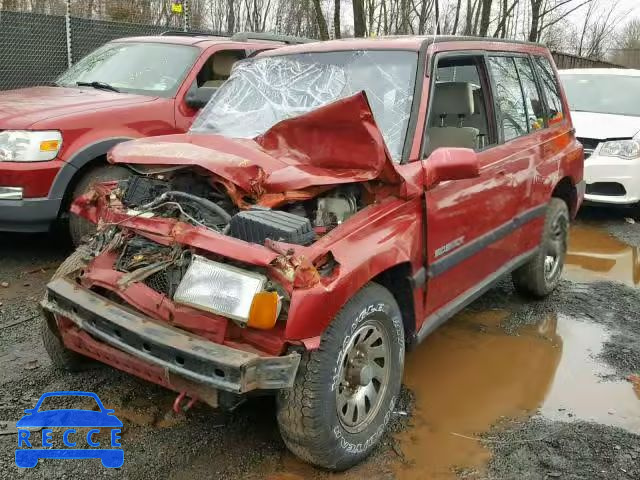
265, 309
49, 146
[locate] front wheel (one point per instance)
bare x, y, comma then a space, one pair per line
541, 275
345, 391
78, 226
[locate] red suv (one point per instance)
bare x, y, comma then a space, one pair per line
332, 204
54, 139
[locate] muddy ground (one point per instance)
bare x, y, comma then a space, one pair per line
508, 389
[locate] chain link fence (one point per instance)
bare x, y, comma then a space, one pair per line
40, 39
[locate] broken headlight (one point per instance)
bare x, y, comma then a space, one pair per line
219, 288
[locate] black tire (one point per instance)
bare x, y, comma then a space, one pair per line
61, 357
78, 226
308, 417
540, 276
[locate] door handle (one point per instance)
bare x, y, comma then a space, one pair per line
502, 173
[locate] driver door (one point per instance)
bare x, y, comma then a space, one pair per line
470, 223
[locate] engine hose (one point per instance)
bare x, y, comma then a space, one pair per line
202, 201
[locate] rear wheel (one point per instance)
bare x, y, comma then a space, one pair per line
78, 226
61, 357
345, 391
541, 275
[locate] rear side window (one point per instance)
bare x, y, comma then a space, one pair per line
550, 88
511, 110
532, 99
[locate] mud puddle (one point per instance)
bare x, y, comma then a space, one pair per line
595, 255
470, 375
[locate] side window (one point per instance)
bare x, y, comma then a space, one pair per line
218, 67
457, 112
532, 99
550, 89
511, 111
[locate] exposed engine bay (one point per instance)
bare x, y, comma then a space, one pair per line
197, 200
214, 283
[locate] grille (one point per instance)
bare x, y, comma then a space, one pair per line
589, 145
610, 189
139, 253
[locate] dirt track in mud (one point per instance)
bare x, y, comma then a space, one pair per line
508, 389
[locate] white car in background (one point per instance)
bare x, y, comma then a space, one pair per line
605, 108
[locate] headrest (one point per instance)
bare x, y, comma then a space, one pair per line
477, 101
223, 63
453, 98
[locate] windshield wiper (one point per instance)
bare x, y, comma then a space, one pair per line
98, 85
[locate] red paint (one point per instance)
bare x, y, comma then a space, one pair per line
340, 143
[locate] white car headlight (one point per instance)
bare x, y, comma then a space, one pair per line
29, 146
627, 149
219, 288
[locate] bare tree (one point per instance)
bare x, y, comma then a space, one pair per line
359, 25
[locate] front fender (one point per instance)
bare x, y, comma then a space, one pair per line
372, 241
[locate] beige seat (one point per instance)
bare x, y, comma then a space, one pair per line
221, 67
451, 100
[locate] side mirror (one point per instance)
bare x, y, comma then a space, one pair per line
450, 164
199, 97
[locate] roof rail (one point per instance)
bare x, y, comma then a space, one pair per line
273, 37
182, 33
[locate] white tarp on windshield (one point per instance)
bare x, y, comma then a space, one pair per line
265, 91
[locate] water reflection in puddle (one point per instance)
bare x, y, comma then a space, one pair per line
469, 375
595, 255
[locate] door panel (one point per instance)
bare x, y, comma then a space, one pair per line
464, 221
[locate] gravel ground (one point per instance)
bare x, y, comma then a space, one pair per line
246, 443
539, 449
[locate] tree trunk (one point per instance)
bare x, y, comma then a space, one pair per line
476, 20
457, 18
320, 20
359, 25
536, 7
437, 17
336, 19
485, 17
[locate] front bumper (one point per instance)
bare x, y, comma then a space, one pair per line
611, 170
174, 350
28, 215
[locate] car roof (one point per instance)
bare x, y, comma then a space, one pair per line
407, 42
625, 72
200, 41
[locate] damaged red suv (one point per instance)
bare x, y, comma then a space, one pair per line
332, 205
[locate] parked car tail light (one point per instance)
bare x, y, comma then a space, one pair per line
219, 288
628, 149
29, 146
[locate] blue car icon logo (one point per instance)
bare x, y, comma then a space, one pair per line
69, 419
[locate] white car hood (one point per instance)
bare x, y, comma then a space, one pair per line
601, 126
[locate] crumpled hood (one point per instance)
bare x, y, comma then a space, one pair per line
602, 126
22, 108
337, 143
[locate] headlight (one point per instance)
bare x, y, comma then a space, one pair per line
627, 149
219, 288
27, 146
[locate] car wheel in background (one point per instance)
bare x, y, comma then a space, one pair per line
541, 275
78, 226
61, 357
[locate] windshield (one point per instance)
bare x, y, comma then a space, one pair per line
145, 68
602, 93
263, 91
